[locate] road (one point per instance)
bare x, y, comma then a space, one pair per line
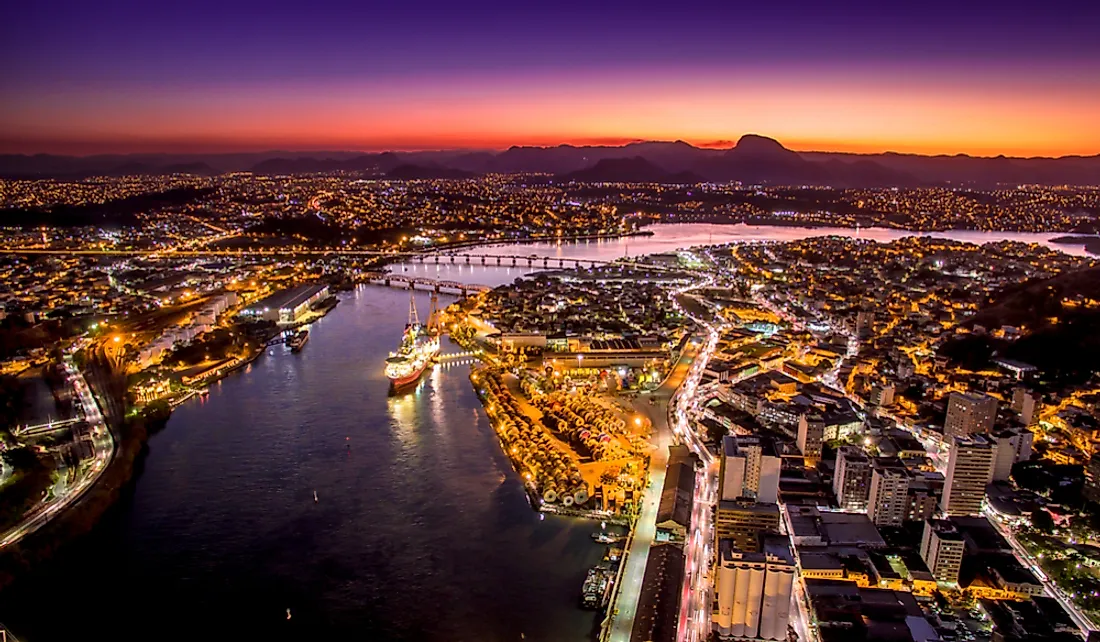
65, 494
1028, 561
642, 535
694, 620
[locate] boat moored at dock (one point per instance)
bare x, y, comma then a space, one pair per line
417, 351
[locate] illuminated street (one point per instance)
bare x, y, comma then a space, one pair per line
65, 494
625, 606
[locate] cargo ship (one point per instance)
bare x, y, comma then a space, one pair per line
418, 349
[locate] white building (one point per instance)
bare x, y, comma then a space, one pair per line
811, 432
1012, 446
753, 591
852, 478
749, 469
1023, 404
888, 503
969, 471
941, 548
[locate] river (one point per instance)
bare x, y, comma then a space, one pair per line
421, 530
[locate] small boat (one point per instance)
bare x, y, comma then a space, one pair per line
597, 587
314, 497
298, 340
605, 538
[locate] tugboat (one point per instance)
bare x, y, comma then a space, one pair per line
298, 340
597, 587
590, 592
604, 537
418, 349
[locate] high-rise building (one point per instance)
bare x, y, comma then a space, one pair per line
969, 471
749, 469
852, 478
969, 414
925, 491
1091, 490
882, 395
745, 523
941, 548
1023, 404
1012, 446
753, 590
865, 323
811, 431
888, 503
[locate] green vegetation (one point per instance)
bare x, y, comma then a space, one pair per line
1042, 521
1060, 318
31, 481
221, 344
12, 399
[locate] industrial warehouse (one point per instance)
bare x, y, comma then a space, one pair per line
289, 306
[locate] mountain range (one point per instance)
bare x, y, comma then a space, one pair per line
753, 160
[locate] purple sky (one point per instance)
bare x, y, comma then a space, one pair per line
83, 75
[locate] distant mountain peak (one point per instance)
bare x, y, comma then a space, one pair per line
755, 143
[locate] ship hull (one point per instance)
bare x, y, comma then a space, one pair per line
400, 383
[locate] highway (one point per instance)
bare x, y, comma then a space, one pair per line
694, 620
65, 494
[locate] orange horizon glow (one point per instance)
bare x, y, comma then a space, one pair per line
1019, 116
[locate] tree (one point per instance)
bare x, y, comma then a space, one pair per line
716, 432
20, 458
1042, 521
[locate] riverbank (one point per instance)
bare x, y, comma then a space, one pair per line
537, 238
131, 438
860, 223
1090, 244
226, 368
80, 518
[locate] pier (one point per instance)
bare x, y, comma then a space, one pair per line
44, 428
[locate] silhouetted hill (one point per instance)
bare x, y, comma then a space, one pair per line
754, 159
377, 163
197, 168
629, 170
761, 146
114, 213
409, 171
1061, 338
979, 171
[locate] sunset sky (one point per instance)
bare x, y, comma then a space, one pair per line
931, 77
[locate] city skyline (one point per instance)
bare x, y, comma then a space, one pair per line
558, 322
871, 79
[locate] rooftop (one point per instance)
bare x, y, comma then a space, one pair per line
287, 299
